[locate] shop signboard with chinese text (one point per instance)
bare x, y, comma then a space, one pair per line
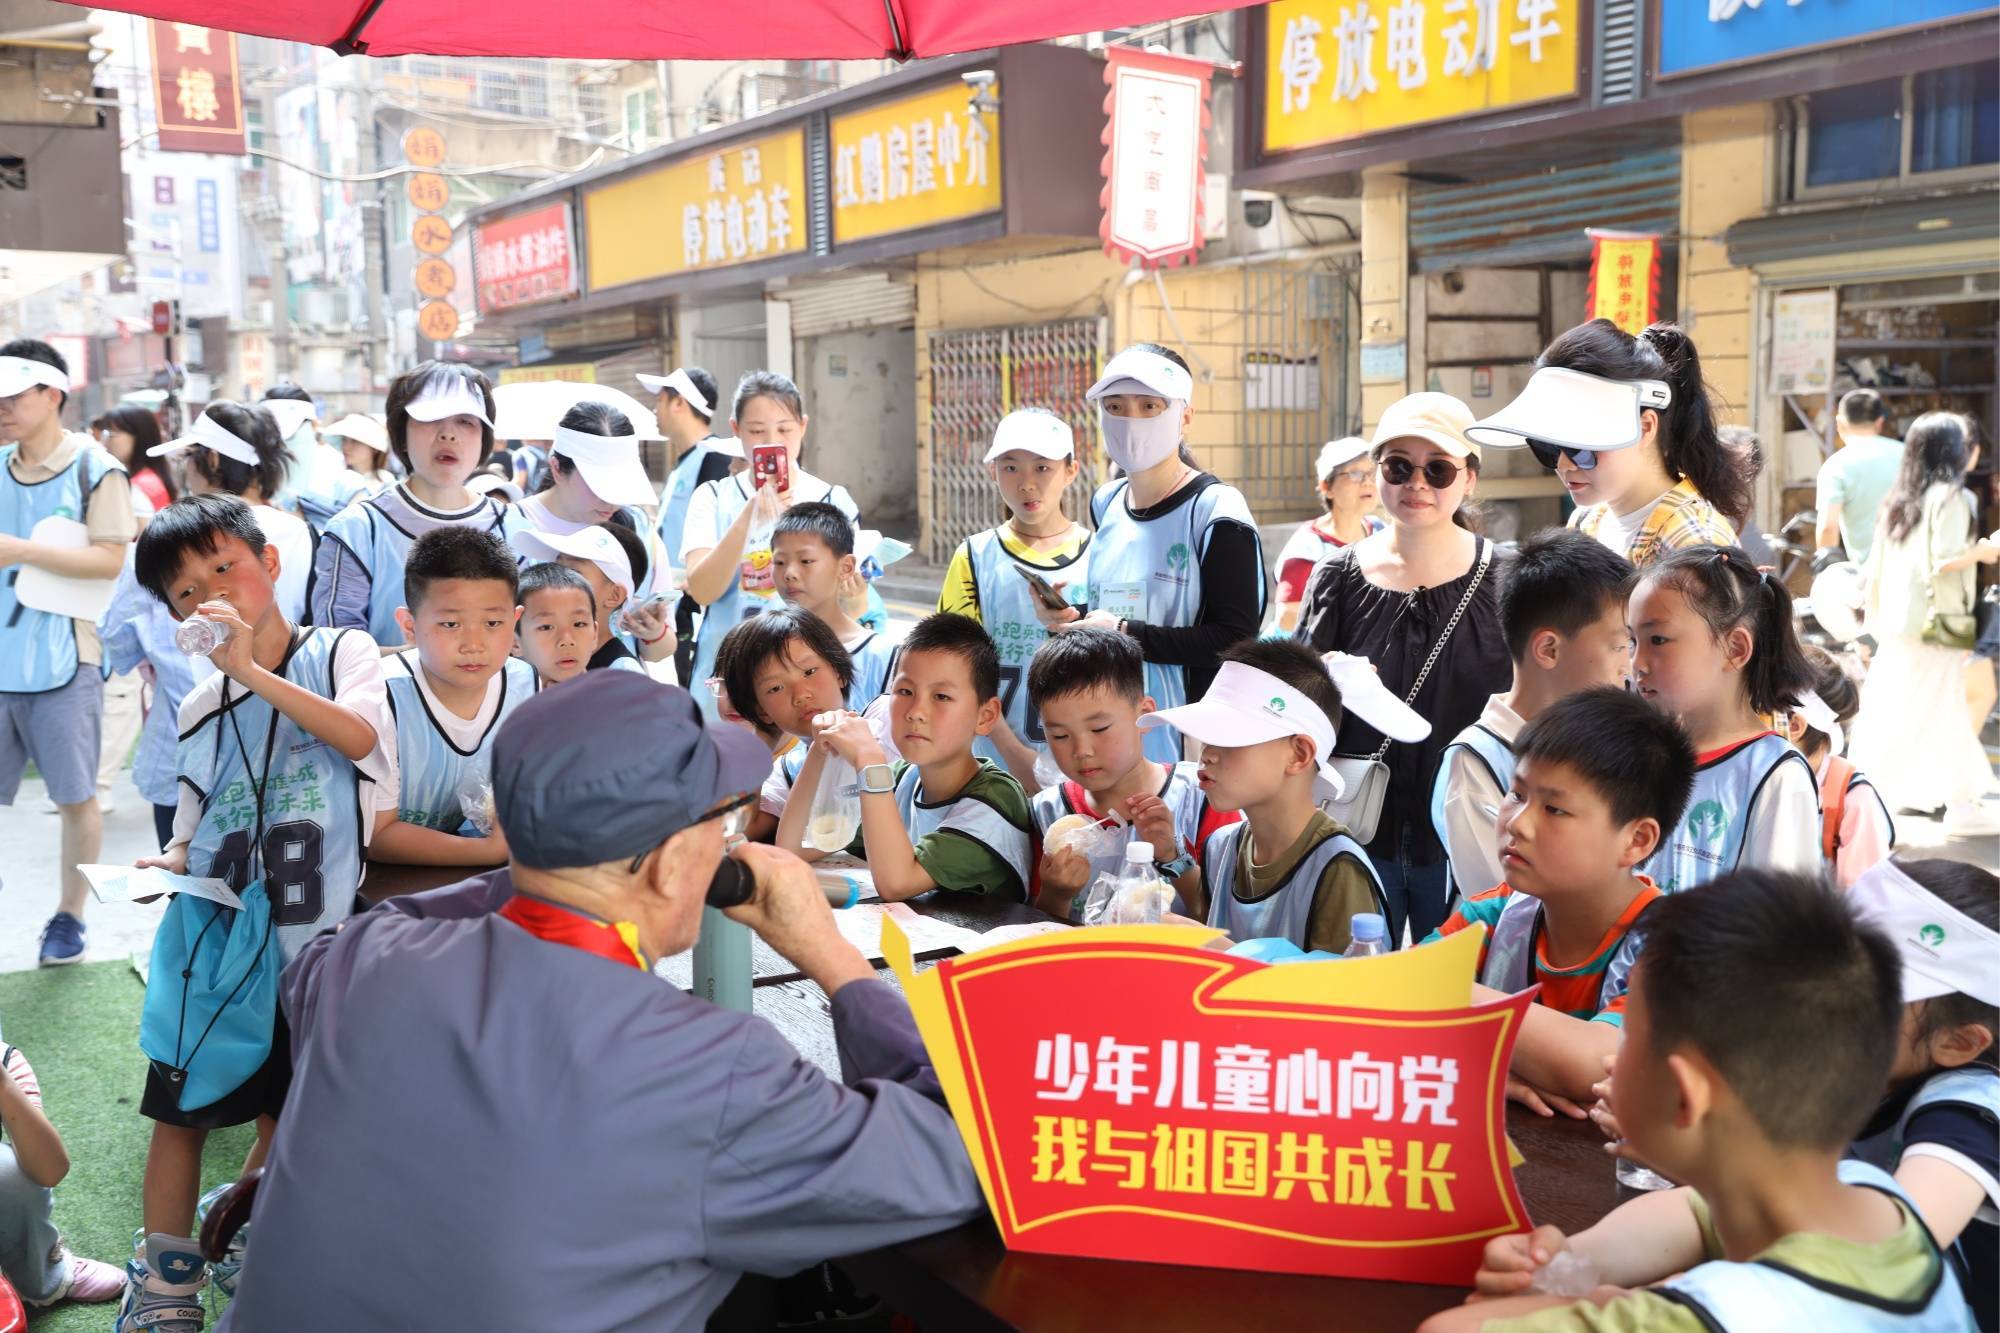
1155, 143
1338, 69
1624, 279
914, 162
195, 89
1705, 34
1343, 1118
524, 259
731, 205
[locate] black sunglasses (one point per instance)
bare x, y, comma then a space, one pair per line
1548, 454
1438, 473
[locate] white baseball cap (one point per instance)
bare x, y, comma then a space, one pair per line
1137, 370
289, 413
592, 543
362, 429
609, 463
1336, 454
449, 396
209, 433
1042, 434
1944, 951
1437, 418
1572, 410
24, 372
683, 384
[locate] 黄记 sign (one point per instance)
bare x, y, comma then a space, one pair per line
1341, 1118
732, 205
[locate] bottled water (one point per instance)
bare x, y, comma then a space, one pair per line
1142, 896
1371, 936
198, 636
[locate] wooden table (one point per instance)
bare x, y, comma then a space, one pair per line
965, 1279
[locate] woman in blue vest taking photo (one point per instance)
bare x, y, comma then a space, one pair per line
1176, 563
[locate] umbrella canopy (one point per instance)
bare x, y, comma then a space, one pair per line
531, 410
621, 30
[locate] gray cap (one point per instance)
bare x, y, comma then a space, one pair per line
611, 765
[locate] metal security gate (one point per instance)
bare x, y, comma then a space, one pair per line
978, 376
1293, 361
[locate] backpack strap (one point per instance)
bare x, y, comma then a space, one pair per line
1840, 775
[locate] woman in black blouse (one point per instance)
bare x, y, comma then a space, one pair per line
1387, 598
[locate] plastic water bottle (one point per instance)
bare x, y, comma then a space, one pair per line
1142, 895
1371, 936
198, 636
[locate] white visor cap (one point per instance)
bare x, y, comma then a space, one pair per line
1136, 370
1039, 433
1572, 410
610, 465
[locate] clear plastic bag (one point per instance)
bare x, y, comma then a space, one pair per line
475, 800
1568, 1275
1097, 900
836, 808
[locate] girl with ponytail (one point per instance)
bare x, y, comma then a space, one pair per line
1626, 423
1714, 645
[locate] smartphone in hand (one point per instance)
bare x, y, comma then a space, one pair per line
1045, 592
771, 465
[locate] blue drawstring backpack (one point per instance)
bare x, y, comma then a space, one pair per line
212, 995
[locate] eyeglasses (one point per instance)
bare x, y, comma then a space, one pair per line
1351, 474
1547, 454
1439, 473
734, 812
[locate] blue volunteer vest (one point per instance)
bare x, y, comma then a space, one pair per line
38, 648
1286, 912
1516, 936
433, 773
1975, 1086
1708, 842
967, 818
872, 662
752, 591
1150, 570
311, 860
1488, 749
1181, 794
1763, 1295
674, 497
380, 531
1007, 610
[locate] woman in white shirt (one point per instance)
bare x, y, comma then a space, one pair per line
726, 544
1912, 736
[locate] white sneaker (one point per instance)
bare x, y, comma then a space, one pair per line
1972, 819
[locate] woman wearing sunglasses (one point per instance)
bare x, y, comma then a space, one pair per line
1422, 591
1625, 423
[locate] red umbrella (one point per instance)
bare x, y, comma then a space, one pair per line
624, 30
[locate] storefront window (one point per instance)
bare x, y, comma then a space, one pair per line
1855, 134
1956, 118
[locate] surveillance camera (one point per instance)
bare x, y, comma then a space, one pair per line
1258, 207
979, 80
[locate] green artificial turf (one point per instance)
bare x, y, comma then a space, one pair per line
79, 1028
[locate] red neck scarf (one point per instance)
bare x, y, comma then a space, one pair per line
561, 925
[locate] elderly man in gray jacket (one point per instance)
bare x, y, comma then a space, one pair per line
502, 1120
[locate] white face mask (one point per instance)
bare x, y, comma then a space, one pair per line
1138, 443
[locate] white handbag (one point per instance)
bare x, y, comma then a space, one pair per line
1364, 780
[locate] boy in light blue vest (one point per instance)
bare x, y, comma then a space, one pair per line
272, 790
814, 568
1562, 610
1763, 1019
51, 682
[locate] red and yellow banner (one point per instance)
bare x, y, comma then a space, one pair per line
1624, 279
195, 89
1185, 1106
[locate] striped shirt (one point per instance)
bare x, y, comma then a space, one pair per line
1589, 989
23, 1075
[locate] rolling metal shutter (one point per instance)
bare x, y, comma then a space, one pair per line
857, 301
1540, 218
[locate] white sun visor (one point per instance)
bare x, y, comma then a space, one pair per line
209, 434
681, 383
1944, 951
1572, 410
610, 465
449, 396
592, 543
289, 413
1136, 370
1245, 706
23, 372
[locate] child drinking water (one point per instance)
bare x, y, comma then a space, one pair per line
1714, 645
